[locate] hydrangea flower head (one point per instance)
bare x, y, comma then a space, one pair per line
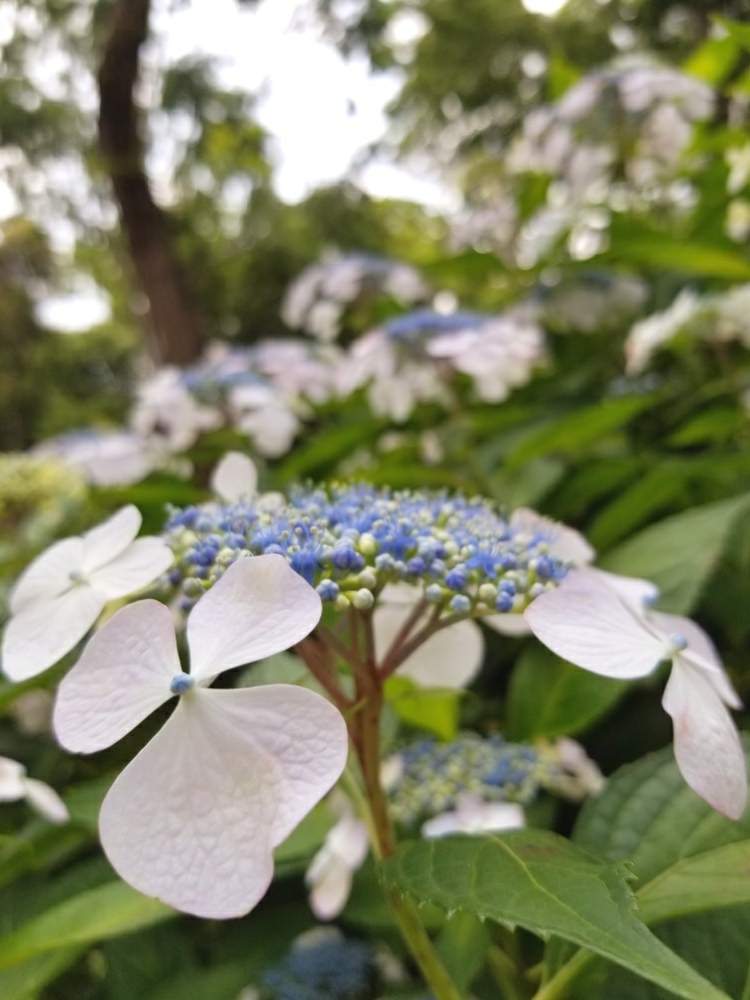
194, 818
458, 553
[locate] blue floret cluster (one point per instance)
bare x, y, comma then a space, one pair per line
350, 541
433, 775
331, 968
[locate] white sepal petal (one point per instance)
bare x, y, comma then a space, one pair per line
330, 873
565, 543
48, 575
259, 607
139, 565
12, 780
585, 621
189, 820
46, 801
109, 539
303, 734
636, 593
706, 744
701, 649
508, 623
234, 478
123, 674
473, 815
449, 659
42, 633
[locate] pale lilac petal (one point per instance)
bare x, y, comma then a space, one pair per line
330, 888
449, 659
42, 634
48, 575
189, 820
500, 816
235, 477
564, 543
259, 607
585, 622
637, 593
302, 733
12, 778
46, 801
109, 539
193, 820
139, 565
705, 652
331, 870
707, 746
509, 623
123, 674
442, 826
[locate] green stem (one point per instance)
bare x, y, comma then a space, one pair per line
505, 973
558, 986
422, 949
365, 733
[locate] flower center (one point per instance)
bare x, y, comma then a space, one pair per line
76, 577
676, 643
181, 684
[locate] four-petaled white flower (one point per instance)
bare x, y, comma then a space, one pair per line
194, 818
15, 785
330, 873
63, 591
448, 659
597, 626
474, 815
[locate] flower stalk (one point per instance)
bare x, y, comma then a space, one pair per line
364, 732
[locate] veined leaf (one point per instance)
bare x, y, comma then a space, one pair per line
680, 553
551, 698
544, 883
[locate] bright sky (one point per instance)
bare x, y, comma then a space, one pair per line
321, 109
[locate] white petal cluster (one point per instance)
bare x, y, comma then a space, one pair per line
63, 591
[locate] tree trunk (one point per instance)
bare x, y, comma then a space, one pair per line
173, 325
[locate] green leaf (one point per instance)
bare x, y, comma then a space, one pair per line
462, 944
549, 697
649, 816
586, 426
94, 915
657, 250
545, 884
707, 881
25, 980
648, 496
680, 553
433, 709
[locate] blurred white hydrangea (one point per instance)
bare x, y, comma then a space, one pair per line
720, 317
318, 298
103, 458
412, 359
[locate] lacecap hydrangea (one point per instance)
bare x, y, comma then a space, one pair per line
350, 541
434, 775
